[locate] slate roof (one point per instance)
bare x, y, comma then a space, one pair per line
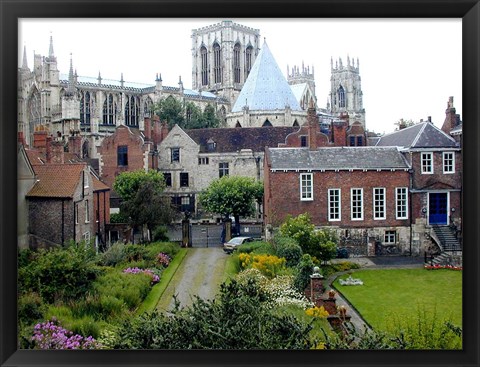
421, 135
234, 139
56, 180
337, 158
266, 89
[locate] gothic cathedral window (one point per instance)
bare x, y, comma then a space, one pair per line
248, 60
341, 97
85, 109
217, 63
236, 63
204, 55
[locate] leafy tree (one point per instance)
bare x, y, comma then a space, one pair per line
143, 201
194, 116
171, 110
318, 243
210, 118
232, 195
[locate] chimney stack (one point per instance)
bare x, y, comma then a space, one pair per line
54, 151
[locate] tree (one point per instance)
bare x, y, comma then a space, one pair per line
210, 118
143, 201
171, 110
319, 243
232, 195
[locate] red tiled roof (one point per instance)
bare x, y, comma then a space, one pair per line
56, 180
98, 185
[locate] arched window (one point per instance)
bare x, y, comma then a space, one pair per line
217, 63
248, 60
295, 123
109, 111
132, 111
204, 56
267, 123
236, 63
341, 97
238, 124
85, 109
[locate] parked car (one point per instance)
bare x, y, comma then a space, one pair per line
232, 245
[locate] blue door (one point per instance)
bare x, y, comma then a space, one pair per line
438, 208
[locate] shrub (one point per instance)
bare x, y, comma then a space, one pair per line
303, 271
135, 252
118, 218
318, 312
289, 249
268, 265
114, 255
160, 234
60, 273
30, 308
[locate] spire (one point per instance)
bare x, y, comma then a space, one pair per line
99, 78
121, 80
24, 63
71, 79
50, 51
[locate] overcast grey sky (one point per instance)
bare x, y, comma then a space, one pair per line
409, 68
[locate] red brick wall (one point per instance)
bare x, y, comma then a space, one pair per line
108, 154
101, 202
437, 180
282, 196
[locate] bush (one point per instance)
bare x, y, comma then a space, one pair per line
59, 273
114, 255
30, 308
118, 218
269, 265
303, 271
160, 234
289, 249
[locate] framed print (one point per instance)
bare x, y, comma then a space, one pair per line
351, 112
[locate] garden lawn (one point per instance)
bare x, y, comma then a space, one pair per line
390, 296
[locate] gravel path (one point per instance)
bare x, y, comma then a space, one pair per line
200, 274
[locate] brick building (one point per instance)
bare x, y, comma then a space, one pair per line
65, 199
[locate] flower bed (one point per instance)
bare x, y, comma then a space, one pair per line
155, 277
435, 267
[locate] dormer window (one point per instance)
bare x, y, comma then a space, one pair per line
211, 145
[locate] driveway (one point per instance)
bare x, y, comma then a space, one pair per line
200, 274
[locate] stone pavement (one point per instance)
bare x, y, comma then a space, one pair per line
384, 262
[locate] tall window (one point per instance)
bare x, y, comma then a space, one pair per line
306, 186
132, 111
148, 107
217, 63
183, 179
87, 212
168, 179
175, 155
334, 210
202, 160
357, 204
223, 169
204, 70
379, 203
109, 111
85, 109
448, 162
341, 97
427, 162
122, 155
236, 63
303, 141
248, 60
401, 207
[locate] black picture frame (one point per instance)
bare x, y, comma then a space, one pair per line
467, 10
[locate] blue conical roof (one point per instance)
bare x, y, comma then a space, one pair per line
266, 89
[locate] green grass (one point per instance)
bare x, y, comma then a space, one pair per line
158, 289
232, 267
393, 295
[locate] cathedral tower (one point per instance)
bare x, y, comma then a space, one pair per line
222, 57
346, 94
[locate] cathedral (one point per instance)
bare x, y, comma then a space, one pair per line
232, 70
